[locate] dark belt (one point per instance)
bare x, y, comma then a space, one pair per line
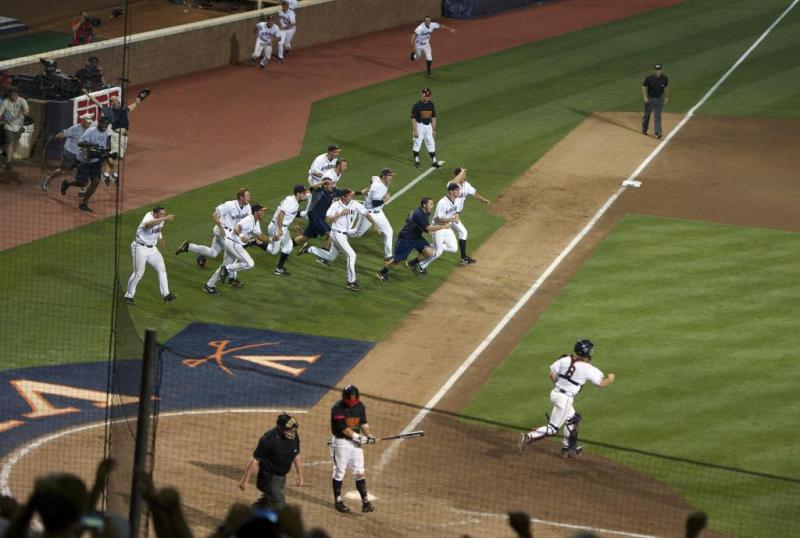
375, 210
143, 244
562, 391
338, 232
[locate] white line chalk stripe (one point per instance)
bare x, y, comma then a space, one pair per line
557, 524
19, 453
414, 181
631, 181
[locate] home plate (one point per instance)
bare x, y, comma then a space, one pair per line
356, 496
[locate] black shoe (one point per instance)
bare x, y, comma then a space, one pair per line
436, 164
225, 273
417, 165
353, 286
367, 507
341, 507
106, 179
644, 132
383, 277
420, 270
236, 283
658, 135
85, 207
128, 300
280, 271
466, 260
571, 452
183, 248
115, 178
387, 260
170, 297
303, 249
64, 187
324, 263
210, 290
45, 182
413, 56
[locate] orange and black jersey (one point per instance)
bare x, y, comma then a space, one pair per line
423, 112
343, 417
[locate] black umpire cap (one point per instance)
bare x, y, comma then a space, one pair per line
657, 67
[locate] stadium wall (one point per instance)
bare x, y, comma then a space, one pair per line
228, 40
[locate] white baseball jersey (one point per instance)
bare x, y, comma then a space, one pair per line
445, 209
345, 222
320, 165
377, 190
287, 19
71, 137
572, 375
290, 207
265, 33
331, 175
249, 229
466, 190
149, 235
424, 32
230, 213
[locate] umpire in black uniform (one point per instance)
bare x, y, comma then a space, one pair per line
655, 92
277, 450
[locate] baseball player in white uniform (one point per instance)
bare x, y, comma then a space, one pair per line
144, 249
267, 34
320, 165
376, 197
421, 40
444, 240
225, 217
568, 374
280, 240
467, 190
341, 216
236, 256
287, 21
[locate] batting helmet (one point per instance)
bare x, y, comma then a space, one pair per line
583, 348
350, 392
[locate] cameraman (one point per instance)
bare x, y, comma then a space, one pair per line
83, 29
91, 75
117, 114
93, 150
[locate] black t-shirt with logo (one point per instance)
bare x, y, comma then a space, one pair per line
275, 453
423, 112
655, 85
343, 417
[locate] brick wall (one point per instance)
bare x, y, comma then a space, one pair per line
229, 42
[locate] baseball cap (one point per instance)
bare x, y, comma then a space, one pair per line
656, 66
300, 188
287, 421
426, 91
87, 116
333, 147
256, 207
386, 172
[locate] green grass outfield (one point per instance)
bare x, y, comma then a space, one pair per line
697, 321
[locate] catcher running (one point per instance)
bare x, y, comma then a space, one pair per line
568, 374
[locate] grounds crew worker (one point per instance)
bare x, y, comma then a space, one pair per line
277, 450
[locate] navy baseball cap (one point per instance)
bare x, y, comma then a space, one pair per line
657, 67
300, 188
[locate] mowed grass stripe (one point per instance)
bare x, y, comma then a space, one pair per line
697, 321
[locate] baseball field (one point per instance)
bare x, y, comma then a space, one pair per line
687, 286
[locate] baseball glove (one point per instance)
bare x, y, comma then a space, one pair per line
143, 94
202, 261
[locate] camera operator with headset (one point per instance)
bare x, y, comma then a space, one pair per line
91, 75
117, 114
83, 29
93, 151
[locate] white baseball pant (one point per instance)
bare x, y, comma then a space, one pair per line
382, 223
142, 254
264, 47
282, 244
346, 455
563, 410
425, 49
460, 229
424, 133
339, 243
443, 241
236, 259
217, 245
286, 41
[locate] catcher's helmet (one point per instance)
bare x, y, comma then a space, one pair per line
350, 392
583, 348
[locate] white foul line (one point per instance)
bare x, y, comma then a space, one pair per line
631, 181
414, 181
434, 401
18, 454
